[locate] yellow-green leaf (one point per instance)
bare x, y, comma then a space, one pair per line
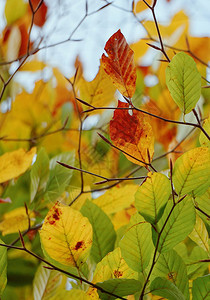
183, 81
66, 235
204, 141
3, 268
191, 172
200, 235
45, 283
152, 195
16, 220
13, 164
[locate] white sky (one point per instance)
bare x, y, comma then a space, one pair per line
64, 15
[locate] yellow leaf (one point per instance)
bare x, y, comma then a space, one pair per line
33, 66
174, 33
117, 198
66, 235
99, 92
16, 220
141, 6
14, 9
13, 164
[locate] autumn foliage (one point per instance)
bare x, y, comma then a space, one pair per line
104, 183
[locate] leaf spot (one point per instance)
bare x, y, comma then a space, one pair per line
79, 245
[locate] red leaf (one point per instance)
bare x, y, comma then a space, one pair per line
6, 200
40, 15
132, 133
119, 64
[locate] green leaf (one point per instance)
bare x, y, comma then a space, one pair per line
103, 230
191, 172
59, 175
164, 288
179, 223
3, 268
152, 196
45, 283
183, 81
39, 174
171, 266
120, 287
201, 288
14, 10
137, 246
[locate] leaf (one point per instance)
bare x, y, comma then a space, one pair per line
152, 196
180, 223
132, 134
191, 172
72, 294
15, 163
103, 231
113, 265
203, 203
119, 64
136, 246
59, 176
194, 261
171, 266
3, 268
201, 288
12, 14
120, 287
16, 220
117, 198
98, 92
200, 235
204, 141
40, 16
39, 174
164, 288
141, 6
45, 283
183, 81
66, 235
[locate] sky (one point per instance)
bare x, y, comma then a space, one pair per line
65, 15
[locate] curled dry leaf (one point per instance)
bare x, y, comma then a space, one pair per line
119, 64
131, 132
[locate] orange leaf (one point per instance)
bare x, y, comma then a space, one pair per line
119, 64
132, 134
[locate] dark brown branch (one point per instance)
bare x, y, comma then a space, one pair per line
62, 271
